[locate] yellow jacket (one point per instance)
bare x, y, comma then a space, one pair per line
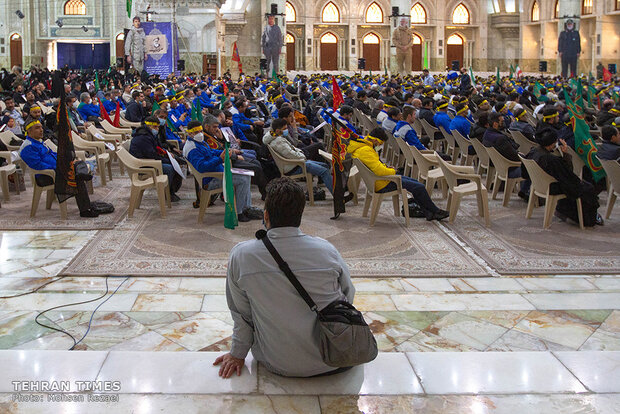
364, 151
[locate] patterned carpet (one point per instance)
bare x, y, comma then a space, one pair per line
148, 245
514, 245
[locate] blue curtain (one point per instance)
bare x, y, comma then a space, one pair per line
84, 55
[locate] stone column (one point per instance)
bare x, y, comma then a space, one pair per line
231, 35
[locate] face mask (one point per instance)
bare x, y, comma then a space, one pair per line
90, 101
199, 137
155, 131
285, 133
162, 121
76, 104
232, 99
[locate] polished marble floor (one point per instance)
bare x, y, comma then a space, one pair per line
494, 344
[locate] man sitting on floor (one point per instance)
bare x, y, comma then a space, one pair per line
269, 316
206, 159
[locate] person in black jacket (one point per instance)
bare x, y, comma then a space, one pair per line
607, 114
568, 183
569, 48
360, 103
135, 108
610, 150
144, 145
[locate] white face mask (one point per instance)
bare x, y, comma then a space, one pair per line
76, 104
199, 137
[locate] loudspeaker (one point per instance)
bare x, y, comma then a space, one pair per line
612, 68
274, 8
20, 14
542, 66
59, 22
456, 65
263, 64
361, 63
395, 11
181, 65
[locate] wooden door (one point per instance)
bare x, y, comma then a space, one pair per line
120, 46
290, 52
454, 52
371, 54
329, 52
16, 50
416, 57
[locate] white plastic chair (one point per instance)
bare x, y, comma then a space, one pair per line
612, 168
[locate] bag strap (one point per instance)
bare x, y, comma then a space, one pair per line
284, 267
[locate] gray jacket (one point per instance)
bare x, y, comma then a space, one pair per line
272, 40
269, 315
284, 148
135, 43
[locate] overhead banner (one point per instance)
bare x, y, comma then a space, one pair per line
161, 56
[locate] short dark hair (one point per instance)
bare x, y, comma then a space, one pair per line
427, 101
193, 124
135, 94
483, 119
408, 110
284, 202
494, 117
279, 123
361, 94
346, 109
608, 131
393, 112
284, 112
9, 98
379, 133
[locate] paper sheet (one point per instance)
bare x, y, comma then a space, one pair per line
241, 171
175, 164
317, 128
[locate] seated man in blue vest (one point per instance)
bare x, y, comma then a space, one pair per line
404, 130
462, 125
87, 109
206, 159
39, 157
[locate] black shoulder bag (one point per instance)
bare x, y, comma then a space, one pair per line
345, 338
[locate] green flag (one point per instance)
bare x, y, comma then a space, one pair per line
230, 217
371, 73
537, 88
615, 97
171, 126
471, 75
386, 72
512, 71
584, 144
591, 93
222, 100
197, 110
156, 106
129, 8
97, 87
498, 80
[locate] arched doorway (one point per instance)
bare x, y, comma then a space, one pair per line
416, 53
290, 52
16, 50
120, 45
372, 46
454, 50
329, 52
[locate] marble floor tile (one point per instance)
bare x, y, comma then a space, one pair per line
152, 284
175, 373
565, 328
463, 329
426, 285
388, 333
28, 365
417, 320
516, 341
118, 302
196, 331
202, 285
167, 302
176, 403
54, 341
155, 320
428, 342
551, 301
492, 372
18, 327
490, 284
552, 283
479, 404
214, 303
602, 340
367, 302
507, 319
149, 341
377, 285
607, 283
464, 301
598, 371
388, 374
